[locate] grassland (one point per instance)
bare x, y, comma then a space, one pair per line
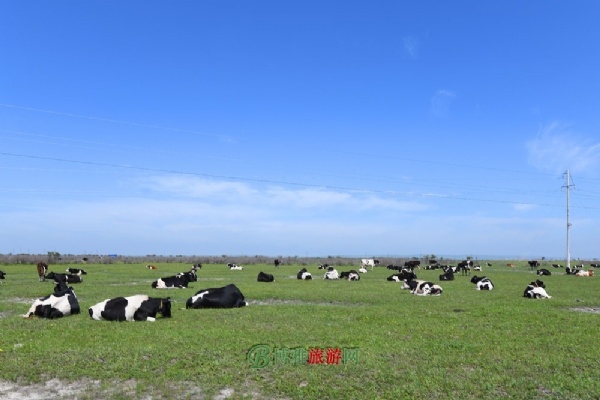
465, 344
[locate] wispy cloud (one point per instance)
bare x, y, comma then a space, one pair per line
411, 46
557, 148
441, 101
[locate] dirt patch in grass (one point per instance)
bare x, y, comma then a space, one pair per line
595, 310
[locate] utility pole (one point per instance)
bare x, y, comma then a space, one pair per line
568, 186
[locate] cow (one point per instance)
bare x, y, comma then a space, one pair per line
76, 271
404, 274
488, 264
412, 264
190, 275
482, 283
394, 267
571, 270
557, 266
593, 265
533, 264
323, 266
42, 268
510, 265
139, 307
543, 271
264, 277
369, 262
422, 288
151, 266
224, 297
235, 267
477, 268
171, 282
56, 305
331, 274
465, 267
536, 290
196, 267
304, 275
362, 270
68, 278
351, 275
447, 276
2, 275
585, 273
276, 263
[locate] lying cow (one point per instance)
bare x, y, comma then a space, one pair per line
264, 277
543, 271
171, 282
224, 297
190, 275
55, 305
76, 271
304, 274
585, 273
482, 283
68, 278
133, 308
42, 268
235, 267
2, 275
422, 288
151, 266
404, 274
447, 276
351, 275
536, 290
332, 274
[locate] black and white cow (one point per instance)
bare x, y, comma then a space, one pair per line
536, 290
264, 277
276, 263
369, 262
304, 274
323, 266
196, 267
482, 283
422, 288
190, 275
235, 267
139, 307
55, 305
412, 264
533, 264
42, 268
331, 274
224, 297
465, 267
557, 266
447, 276
76, 271
543, 271
68, 278
404, 274
171, 282
351, 275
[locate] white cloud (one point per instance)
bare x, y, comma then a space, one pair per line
411, 46
441, 101
556, 148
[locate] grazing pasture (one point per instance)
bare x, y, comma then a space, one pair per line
464, 344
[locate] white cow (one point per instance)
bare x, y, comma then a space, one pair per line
368, 262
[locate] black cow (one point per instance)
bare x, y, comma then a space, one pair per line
76, 271
68, 278
543, 271
482, 283
412, 264
447, 276
55, 305
133, 308
533, 264
224, 297
2, 275
304, 275
264, 277
276, 263
179, 281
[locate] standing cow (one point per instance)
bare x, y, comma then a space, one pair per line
42, 268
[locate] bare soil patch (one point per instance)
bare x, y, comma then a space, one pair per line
595, 310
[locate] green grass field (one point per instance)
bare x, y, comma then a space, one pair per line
464, 344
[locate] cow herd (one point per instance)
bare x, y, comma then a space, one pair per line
63, 301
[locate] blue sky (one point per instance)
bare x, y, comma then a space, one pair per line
308, 128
